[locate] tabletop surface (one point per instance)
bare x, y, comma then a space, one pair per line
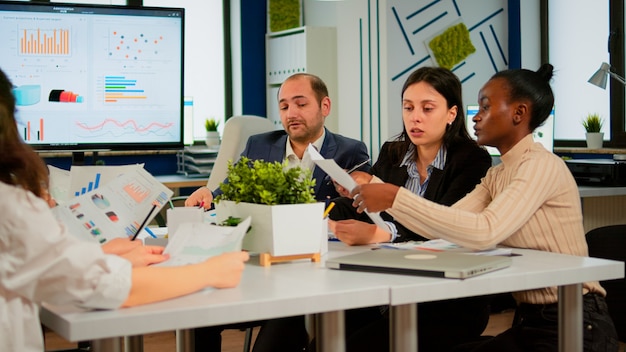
595, 191
302, 287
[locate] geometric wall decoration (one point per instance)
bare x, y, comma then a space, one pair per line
452, 46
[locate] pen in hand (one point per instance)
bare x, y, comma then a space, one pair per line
143, 223
352, 169
328, 209
355, 167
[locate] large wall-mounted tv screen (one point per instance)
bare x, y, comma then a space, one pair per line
95, 77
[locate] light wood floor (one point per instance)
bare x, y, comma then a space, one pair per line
232, 340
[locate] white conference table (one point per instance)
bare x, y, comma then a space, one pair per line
281, 290
533, 269
302, 287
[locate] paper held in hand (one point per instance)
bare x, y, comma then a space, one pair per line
195, 242
340, 176
115, 209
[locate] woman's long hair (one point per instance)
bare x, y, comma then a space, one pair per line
19, 164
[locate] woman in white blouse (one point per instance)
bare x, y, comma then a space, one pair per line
41, 262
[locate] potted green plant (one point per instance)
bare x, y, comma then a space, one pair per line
286, 219
212, 136
593, 125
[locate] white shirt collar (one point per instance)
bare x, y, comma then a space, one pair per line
305, 162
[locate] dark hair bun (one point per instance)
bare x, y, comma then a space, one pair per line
546, 71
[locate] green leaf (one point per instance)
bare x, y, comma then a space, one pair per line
268, 183
593, 123
211, 125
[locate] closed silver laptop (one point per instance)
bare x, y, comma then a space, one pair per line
422, 263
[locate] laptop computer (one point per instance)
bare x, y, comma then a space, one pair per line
422, 263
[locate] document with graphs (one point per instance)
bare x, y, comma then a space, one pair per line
115, 209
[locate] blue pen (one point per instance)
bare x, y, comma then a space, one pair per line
150, 232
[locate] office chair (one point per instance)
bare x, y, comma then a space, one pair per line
609, 242
237, 129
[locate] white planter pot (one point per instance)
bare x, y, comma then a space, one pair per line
594, 139
280, 230
212, 139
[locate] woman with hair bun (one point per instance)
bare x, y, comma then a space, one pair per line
530, 200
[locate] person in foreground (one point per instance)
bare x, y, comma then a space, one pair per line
530, 200
303, 104
42, 262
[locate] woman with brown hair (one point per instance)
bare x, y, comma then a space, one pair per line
41, 262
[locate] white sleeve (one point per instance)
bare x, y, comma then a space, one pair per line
41, 262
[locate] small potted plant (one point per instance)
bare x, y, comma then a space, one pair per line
286, 219
212, 136
593, 125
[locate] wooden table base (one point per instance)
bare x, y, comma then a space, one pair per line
266, 259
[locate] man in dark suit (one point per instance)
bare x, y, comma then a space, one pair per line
303, 104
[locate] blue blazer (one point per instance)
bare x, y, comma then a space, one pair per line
347, 152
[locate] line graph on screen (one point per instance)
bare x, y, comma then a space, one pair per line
111, 127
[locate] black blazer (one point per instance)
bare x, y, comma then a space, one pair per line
347, 152
466, 164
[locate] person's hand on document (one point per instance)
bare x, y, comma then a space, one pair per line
135, 252
374, 197
202, 197
225, 269
360, 177
145, 255
120, 245
355, 232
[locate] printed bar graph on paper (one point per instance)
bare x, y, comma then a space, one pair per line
136, 192
131, 230
89, 224
90, 186
162, 199
40, 41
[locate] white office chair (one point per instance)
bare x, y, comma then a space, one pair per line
237, 129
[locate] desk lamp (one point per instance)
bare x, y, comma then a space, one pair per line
599, 78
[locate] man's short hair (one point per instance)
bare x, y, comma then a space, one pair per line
318, 86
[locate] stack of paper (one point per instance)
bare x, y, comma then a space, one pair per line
196, 242
439, 245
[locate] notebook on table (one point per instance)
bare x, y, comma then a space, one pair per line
422, 263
